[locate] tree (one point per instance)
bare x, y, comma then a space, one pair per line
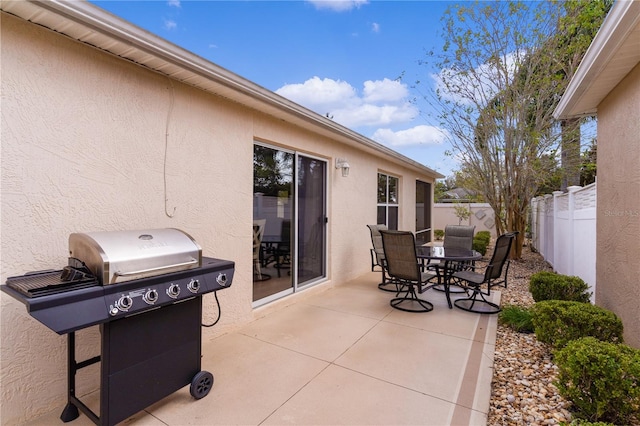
499, 83
492, 94
588, 166
576, 29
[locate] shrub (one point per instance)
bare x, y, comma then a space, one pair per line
580, 422
601, 379
484, 236
480, 246
517, 318
547, 285
438, 234
557, 322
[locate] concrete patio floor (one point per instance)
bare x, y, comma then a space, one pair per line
340, 357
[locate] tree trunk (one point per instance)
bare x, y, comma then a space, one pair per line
570, 153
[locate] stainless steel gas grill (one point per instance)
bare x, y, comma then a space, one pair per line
144, 288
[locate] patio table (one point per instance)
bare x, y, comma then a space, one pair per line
448, 256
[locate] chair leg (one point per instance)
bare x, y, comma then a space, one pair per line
477, 303
256, 264
411, 298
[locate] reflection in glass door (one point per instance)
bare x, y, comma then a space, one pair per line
289, 227
273, 178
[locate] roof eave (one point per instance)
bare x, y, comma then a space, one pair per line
89, 24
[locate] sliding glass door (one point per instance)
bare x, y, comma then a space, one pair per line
289, 211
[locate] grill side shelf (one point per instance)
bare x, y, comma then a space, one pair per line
65, 312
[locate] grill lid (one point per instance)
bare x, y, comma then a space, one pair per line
119, 256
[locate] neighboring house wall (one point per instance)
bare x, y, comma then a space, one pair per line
563, 231
84, 146
482, 216
618, 265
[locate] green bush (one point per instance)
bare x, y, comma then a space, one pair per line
480, 243
601, 379
438, 234
557, 322
547, 285
517, 318
484, 236
580, 422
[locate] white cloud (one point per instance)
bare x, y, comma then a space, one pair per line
374, 115
174, 3
338, 5
418, 135
170, 24
382, 103
479, 84
375, 27
321, 95
384, 91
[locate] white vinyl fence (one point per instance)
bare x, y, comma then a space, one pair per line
563, 231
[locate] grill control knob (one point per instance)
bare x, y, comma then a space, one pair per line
124, 303
193, 286
222, 279
150, 297
173, 291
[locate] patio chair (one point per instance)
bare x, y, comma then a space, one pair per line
405, 269
493, 275
377, 256
258, 232
455, 236
283, 249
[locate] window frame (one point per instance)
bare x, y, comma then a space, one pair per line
385, 201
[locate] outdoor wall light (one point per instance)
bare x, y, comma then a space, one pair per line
342, 163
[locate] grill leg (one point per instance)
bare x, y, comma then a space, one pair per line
70, 412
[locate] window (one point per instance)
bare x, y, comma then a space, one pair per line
388, 201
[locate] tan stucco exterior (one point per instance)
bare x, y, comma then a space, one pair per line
85, 138
618, 233
607, 84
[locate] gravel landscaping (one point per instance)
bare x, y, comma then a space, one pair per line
522, 392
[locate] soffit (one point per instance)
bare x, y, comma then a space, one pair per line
87, 23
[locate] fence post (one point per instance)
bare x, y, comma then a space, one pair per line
572, 228
554, 231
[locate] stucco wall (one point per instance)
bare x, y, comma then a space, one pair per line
481, 217
618, 204
83, 138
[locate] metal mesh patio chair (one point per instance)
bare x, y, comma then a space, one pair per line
455, 236
404, 268
493, 275
378, 260
258, 232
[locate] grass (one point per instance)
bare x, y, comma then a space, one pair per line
517, 318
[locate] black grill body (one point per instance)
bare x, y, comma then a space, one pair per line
150, 346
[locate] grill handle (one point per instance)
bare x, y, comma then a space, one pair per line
146, 271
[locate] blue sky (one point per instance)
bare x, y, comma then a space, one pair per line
355, 60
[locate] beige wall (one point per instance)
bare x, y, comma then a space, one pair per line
481, 217
618, 220
83, 149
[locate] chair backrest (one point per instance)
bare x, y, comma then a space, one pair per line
400, 254
459, 236
499, 257
258, 232
376, 240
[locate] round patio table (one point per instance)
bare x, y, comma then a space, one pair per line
448, 256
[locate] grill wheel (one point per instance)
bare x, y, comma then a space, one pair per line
201, 384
